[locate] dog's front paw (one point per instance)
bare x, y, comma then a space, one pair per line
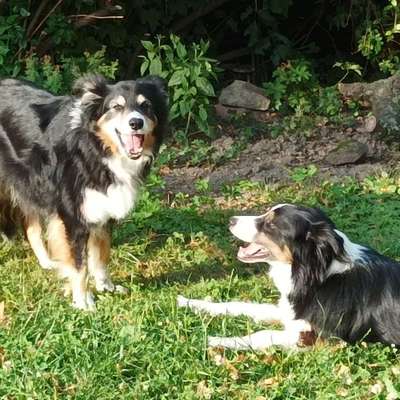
48, 264
121, 289
182, 301
105, 285
213, 341
85, 303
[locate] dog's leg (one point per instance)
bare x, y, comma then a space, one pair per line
257, 341
258, 312
8, 217
68, 267
33, 232
99, 244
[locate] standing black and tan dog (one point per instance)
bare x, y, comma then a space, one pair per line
76, 162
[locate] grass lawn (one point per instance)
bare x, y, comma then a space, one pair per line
140, 346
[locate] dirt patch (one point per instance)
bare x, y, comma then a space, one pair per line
272, 160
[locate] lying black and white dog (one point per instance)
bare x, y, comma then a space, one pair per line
76, 163
329, 286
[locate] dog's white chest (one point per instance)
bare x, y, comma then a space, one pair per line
116, 203
281, 274
99, 207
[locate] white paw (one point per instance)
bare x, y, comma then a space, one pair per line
105, 285
182, 301
121, 289
213, 341
48, 264
85, 303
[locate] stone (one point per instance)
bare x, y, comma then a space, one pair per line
245, 95
347, 152
383, 96
368, 124
226, 113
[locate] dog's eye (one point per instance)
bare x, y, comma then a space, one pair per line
146, 105
117, 107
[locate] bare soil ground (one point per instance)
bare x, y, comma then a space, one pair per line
272, 160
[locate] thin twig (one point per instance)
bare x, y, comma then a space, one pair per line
45, 18
88, 16
36, 17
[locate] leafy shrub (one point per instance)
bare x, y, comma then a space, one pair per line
190, 75
12, 41
58, 77
295, 88
378, 42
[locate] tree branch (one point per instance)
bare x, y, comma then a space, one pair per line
45, 19
36, 17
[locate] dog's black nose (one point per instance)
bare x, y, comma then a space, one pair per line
136, 123
233, 221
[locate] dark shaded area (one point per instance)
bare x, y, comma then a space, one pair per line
249, 38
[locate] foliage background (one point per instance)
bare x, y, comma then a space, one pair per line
261, 34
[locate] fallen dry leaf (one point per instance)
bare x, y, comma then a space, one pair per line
268, 382
342, 392
2, 314
233, 371
377, 388
203, 391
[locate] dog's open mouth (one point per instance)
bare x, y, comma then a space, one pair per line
133, 144
253, 253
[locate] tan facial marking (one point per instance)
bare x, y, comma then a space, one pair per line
103, 135
118, 101
148, 142
280, 254
140, 99
107, 141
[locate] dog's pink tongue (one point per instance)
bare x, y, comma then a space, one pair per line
134, 144
249, 250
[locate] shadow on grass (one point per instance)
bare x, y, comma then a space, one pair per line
201, 272
165, 222
367, 218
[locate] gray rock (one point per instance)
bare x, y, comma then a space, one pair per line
347, 152
383, 96
368, 124
245, 95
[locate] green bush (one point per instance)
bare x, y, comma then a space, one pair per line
58, 78
12, 41
295, 88
190, 75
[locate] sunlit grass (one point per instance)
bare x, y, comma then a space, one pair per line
140, 346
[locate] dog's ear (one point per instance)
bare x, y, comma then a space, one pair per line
90, 88
159, 83
313, 254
